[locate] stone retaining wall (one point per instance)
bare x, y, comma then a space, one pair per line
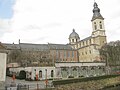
2, 85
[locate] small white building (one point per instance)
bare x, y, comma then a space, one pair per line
31, 72
43, 72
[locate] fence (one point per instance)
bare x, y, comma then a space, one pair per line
28, 87
18, 87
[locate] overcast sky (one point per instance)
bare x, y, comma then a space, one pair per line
52, 21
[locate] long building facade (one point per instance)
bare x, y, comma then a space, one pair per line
78, 58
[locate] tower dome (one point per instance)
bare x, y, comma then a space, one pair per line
73, 34
73, 37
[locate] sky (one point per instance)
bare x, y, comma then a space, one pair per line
52, 21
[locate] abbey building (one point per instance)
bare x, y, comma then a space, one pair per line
78, 58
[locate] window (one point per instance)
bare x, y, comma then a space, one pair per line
92, 68
65, 54
100, 26
90, 51
76, 40
57, 54
72, 40
82, 53
90, 41
86, 43
83, 43
40, 74
72, 53
95, 27
68, 53
79, 45
52, 74
95, 47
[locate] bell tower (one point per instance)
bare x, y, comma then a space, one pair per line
98, 26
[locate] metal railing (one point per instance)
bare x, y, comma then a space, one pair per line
28, 87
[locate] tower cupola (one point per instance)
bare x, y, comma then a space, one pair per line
97, 19
96, 12
74, 37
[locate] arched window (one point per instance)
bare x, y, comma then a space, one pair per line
57, 54
95, 27
65, 54
52, 74
72, 53
100, 25
90, 41
83, 43
68, 53
76, 40
92, 68
72, 40
40, 74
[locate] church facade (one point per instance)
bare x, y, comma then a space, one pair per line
78, 58
88, 48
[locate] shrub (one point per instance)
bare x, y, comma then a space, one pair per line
75, 80
71, 77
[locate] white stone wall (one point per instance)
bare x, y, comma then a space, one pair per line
78, 64
3, 57
35, 71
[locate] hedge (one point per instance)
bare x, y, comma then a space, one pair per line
75, 80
